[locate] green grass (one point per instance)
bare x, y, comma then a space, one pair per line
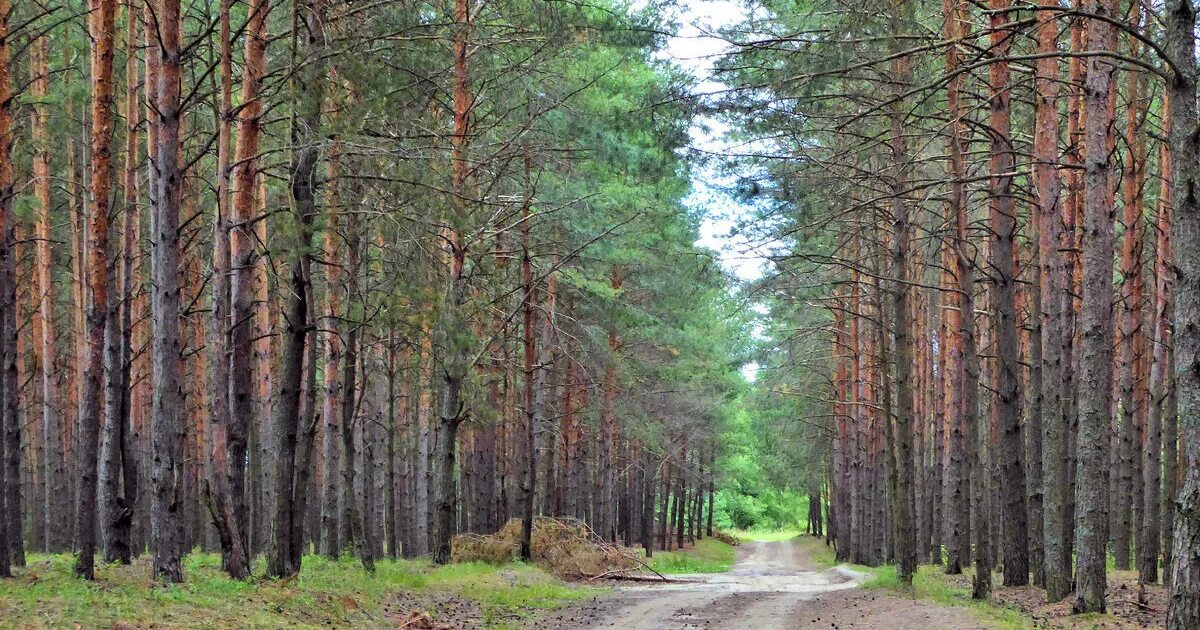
514, 590
765, 535
931, 584
708, 556
327, 593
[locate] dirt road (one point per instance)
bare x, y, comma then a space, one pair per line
773, 585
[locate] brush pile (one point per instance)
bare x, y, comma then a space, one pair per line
726, 537
565, 547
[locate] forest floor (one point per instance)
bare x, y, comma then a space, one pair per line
1126, 611
779, 584
327, 594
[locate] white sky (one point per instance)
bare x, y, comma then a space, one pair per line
695, 51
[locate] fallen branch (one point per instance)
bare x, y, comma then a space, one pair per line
1146, 607
624, 575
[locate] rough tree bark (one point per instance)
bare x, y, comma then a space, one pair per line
1156, 467
1052, 275
53, 472
1002, 211
8, 359
605, 525
331, 544
118, 472
101, 25
972, 421
222, 503
903, 505
1180, 16
391, 495
356, 529
1131, 380
1096, 330
243, 256
1153, 543
532, 369
166, 510
957, 493
293, 448
452, 330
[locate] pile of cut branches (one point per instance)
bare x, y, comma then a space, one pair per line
564, 546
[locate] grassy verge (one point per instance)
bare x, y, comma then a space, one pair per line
708, 556
773, 535
327, 593
929, 584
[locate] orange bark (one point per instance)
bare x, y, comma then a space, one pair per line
8, 411
101, 26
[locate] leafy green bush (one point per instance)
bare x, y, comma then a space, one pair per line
760, 508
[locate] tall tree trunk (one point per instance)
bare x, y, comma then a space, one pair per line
957, 318
452, 325
331, 545
606, 526
1180, 16
53, 473
1171, 463
1131, 380
648, 481
680, 498
1053, 280
1030, 302
8, 359
712, 475
358, 531
1096, 369
166, 511
974, 439
243, 258
116, 503
390, 492
421, 514
859, 345
903, 506
266, 346
306, 442
293, 448
101, 23
1003, 263
223, 503
1152, 542
1154, 516
1072, 219
666, 497
78, 237
528, 306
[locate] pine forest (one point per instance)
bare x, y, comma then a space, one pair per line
651, 314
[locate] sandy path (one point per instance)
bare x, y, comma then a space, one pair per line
772, 586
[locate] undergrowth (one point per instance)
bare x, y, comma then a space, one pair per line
707, 556
328, 593
931, 583
765, 535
